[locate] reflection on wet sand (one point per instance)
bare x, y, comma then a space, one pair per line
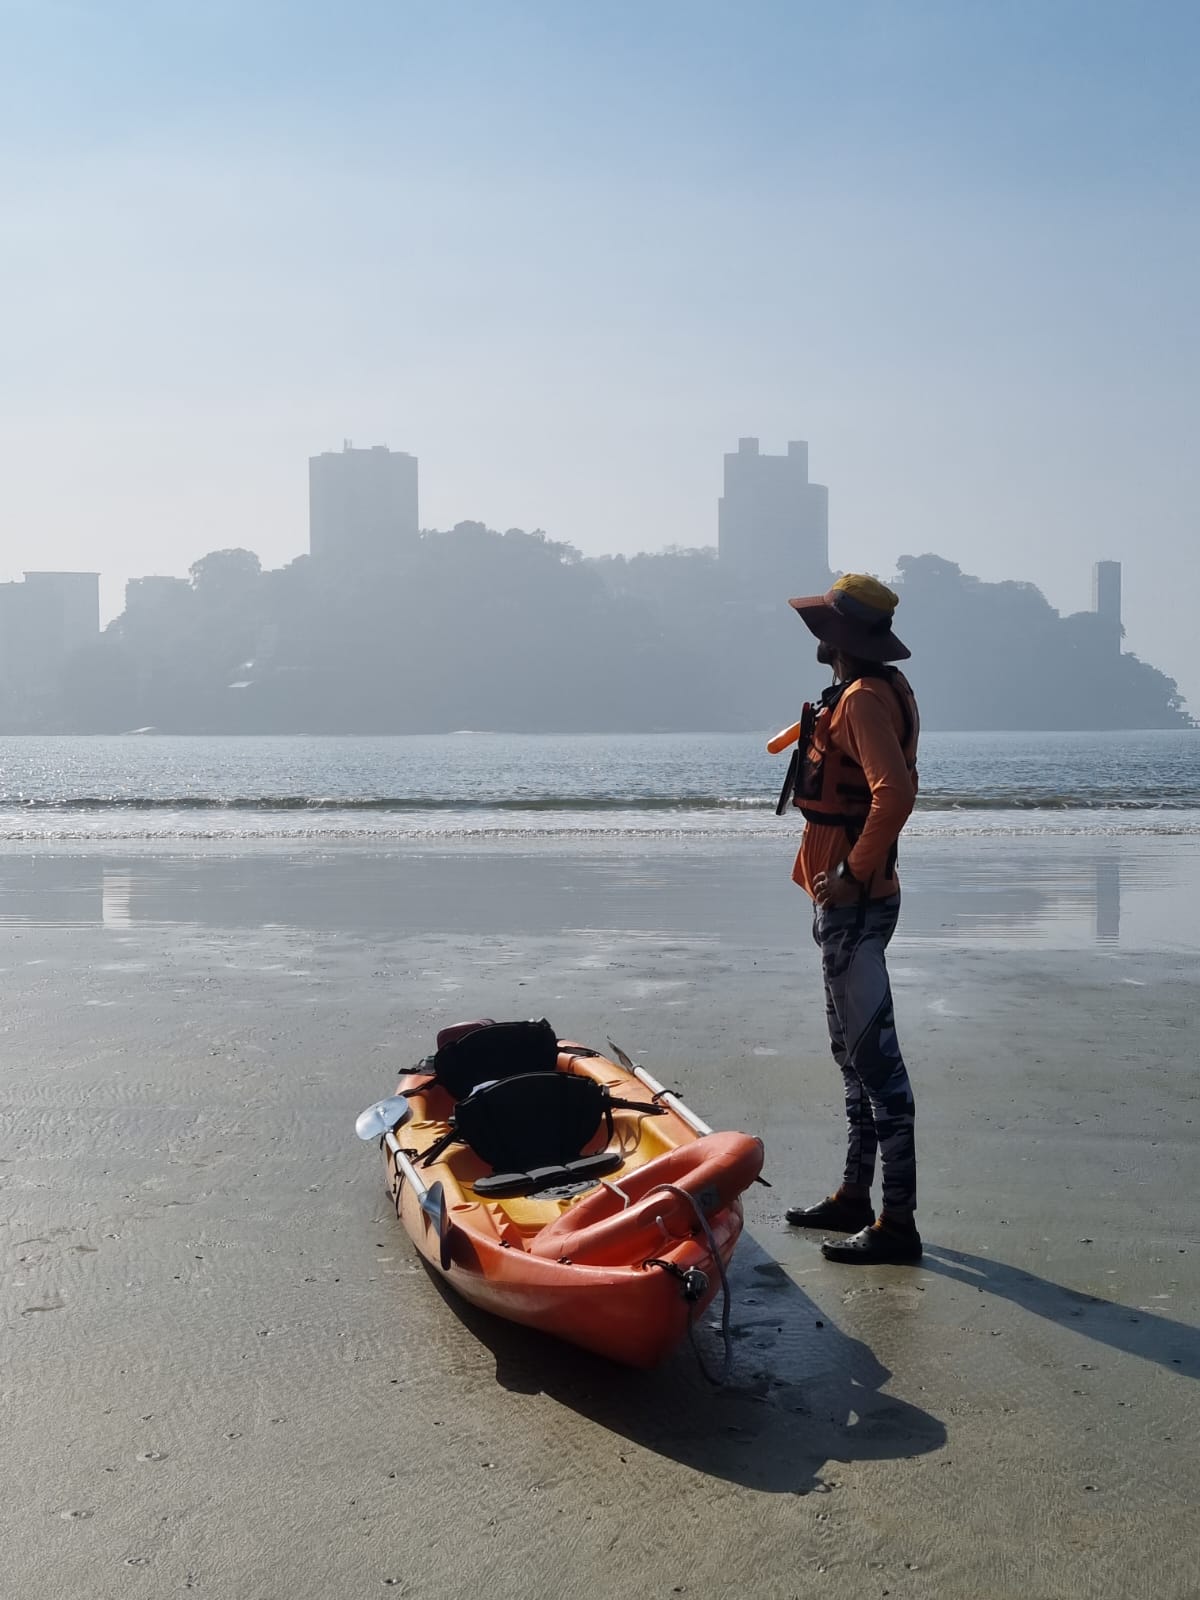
1071, 895
1108, 900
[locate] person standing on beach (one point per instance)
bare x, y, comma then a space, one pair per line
855, 782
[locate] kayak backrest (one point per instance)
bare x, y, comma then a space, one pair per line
534, 1119
531, 1128
492, 1051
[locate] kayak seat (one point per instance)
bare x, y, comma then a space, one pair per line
487, 1051
532, 1129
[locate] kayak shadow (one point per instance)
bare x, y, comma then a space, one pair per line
802, 1396
1174, 1346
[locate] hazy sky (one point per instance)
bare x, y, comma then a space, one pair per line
567, 252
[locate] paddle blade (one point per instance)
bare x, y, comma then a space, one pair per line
433, 1204
382, 1117
620, 1056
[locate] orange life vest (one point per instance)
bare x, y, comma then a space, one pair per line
825, 784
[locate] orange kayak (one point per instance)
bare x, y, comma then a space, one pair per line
614, 1248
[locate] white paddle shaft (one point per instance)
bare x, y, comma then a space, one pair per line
697, 1124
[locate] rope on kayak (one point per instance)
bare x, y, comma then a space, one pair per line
727, 1364
410, 1155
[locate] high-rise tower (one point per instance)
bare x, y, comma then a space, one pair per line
773, 524
362, 507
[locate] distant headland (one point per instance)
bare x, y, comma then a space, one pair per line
383, 627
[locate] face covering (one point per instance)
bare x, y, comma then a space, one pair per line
825, 654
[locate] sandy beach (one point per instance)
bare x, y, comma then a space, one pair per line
225, 1370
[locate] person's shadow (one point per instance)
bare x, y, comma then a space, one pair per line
1173, 1345
802, 1394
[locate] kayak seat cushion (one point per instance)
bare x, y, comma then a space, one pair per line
532, 1120
491, 1051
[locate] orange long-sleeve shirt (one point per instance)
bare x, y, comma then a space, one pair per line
867, 724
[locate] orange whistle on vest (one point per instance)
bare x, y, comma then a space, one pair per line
783, 738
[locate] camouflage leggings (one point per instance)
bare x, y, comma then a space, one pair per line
862, 1035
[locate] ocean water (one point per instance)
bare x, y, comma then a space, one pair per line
468, 785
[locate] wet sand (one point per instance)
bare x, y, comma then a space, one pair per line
224, 1368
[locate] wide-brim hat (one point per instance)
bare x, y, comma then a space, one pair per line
855, 616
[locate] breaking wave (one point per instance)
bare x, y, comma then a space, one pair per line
1094, 799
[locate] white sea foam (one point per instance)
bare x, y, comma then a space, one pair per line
498, 787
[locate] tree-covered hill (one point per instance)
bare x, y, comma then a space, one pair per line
473, 628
